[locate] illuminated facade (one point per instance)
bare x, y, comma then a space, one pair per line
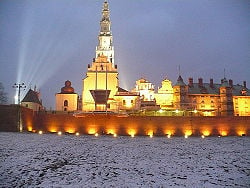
101, 91
101, 82
164, 96
66, 100
127, 101
210, 99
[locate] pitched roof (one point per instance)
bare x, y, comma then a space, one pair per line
207, 89
180, 81
121, 90
32, 96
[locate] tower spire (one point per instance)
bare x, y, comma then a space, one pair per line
105, 39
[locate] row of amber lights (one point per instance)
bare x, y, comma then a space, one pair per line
132, 134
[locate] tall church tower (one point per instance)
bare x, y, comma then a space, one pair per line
101, 82
105, 39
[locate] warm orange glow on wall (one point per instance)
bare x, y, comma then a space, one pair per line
110, 131
92, 130
150, 133
241, 132
188, 132
223, 133
206, 132
29, 128
52, 129
70, 130
169, 132
131, 132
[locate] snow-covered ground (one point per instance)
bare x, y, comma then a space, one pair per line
49, 160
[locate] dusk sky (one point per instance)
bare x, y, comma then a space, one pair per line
46, 42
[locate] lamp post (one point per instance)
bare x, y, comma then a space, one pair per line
19, 87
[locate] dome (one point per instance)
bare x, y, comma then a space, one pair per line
67, 88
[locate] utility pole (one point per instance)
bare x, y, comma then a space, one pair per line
19, 87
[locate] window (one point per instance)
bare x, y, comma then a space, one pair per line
124, 102
132, 101
65, 103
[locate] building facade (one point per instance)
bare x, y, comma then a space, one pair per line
67, 99
101, 90
32, 100
212, 99
101, 82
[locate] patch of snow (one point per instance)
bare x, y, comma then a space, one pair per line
49, 160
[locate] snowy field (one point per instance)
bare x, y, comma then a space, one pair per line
48, 160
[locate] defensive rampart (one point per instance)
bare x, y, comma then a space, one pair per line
124, 125
143, 125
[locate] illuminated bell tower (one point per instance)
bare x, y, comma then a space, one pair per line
105, 39
101, 82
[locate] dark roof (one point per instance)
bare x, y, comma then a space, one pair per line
32, 96
180, 81
121, 90
207, 89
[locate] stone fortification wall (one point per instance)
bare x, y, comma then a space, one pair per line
121, 125
143, 125
9, 115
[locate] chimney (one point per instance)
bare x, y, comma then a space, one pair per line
190, 82
230, 82
211, 83
200, 82
245, 84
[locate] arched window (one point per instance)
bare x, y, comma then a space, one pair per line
66, 103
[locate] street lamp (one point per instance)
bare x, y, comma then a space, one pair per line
19, 87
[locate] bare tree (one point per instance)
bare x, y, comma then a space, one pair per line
3, 95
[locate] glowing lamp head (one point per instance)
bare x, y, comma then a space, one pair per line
169, 135
202, 136
40, 132
186, 136
77, 134
96, 134
59, 133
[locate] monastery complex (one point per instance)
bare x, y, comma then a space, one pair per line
101, 91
